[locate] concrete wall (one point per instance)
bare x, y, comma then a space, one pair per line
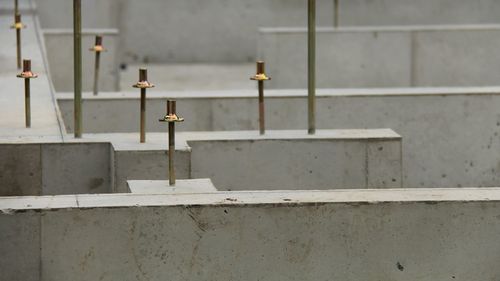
448, 134
49, 169
384, 56
59, 46
298, 164
403, 12
148, 165
95, 13
185, 30
230, 236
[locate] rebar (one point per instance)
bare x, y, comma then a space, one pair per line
97, 48
171, 117
77, 64
311, 66
260, 77
27, 74
143, 84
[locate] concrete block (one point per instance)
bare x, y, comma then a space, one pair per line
384, 164
163, 187
448, 133
20, 170
405, 56
20, 246
291, 160
61, 58
147, 165
76, 168
385, 234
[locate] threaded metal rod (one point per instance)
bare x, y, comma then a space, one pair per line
171, 143
143, 116
27, 103
311, 66
77, 63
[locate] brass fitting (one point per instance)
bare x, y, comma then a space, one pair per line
260, 75
171, 115
98, 47
27, 73
143, 80
17, 23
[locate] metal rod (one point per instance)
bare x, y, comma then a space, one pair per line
260, 70
77, 63
311, 66
17, 20
143, 115
16, 7
27, 99
336, 13
171, 142
143, 76
98, 42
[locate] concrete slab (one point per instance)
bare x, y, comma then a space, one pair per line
389, 230
407, 56
43, 106
163, 187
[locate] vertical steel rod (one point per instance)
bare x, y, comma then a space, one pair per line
171, 143
336, 13
98, 42
16, 7
311, 65
27, 102
143, 76
262, 126
77, 63
17, 18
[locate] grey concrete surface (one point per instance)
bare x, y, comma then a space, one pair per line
95, 13
185, 30
44, 113
55, 168
191, 76
300, 164
400, 56
383, 234
59, 44
149, 161
163, 187
409, 12
20, 170
76, 168
448, 133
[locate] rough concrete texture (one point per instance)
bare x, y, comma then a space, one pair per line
405, 56
59, 44
50, 169
20, 170
409, 12
341, 235
163, 187
76, 168
448, 133
301, 164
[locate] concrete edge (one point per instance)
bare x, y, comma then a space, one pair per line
12, 205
